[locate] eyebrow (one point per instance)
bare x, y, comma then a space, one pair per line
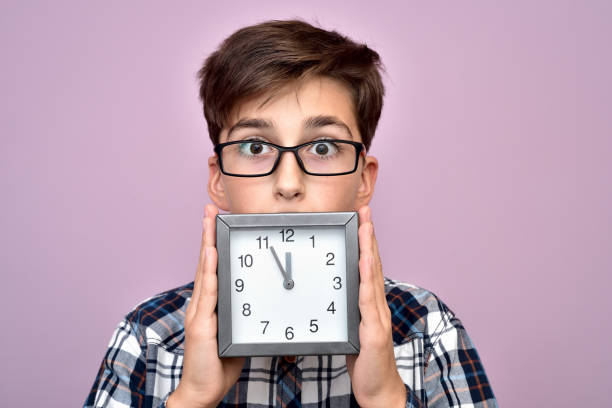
310, 123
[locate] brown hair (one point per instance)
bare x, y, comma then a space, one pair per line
262, 58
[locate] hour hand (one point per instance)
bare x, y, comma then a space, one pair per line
287, 281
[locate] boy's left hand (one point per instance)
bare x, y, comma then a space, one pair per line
374, 376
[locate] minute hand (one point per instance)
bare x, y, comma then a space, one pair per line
285, 276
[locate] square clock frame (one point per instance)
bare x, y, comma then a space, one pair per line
273, 284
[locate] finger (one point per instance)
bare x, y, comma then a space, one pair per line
375, 275
208, 295
367, 293
208, 239
197, 283
208, 243
209, 287
365, 238
370, 245
364, 214
379, 279
211, 234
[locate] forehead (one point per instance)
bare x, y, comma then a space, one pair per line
290, 108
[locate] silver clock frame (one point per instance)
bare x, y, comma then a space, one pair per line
226, 222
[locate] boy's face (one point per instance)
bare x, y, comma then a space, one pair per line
288, 188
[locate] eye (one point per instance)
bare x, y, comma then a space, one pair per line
253, 148
324, 148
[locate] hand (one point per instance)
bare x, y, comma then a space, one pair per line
287, 281
374, 376
206, 378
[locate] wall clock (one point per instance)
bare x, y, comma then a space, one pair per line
288, 284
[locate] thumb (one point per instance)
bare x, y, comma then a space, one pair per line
234, 364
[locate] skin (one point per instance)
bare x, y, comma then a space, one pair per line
206, 377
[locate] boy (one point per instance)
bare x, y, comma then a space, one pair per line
287, 83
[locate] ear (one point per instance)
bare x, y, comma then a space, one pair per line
216, 191
368, 180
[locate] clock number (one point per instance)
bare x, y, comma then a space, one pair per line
260, 239
331, 258
239, 285
338, 284
314, 327
246, 309
331, 308
312, 240
289, 333
266, 323
289, 236
246, 260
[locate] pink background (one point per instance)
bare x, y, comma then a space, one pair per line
494, 188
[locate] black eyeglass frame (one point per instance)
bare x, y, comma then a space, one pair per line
359, 147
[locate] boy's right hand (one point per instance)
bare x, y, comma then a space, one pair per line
206, 378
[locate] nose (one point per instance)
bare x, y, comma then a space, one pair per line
289, 183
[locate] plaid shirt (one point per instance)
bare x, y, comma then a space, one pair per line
434, 356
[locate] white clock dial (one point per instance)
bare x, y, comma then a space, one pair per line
266, 308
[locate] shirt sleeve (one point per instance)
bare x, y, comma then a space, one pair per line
454, 375
120, 381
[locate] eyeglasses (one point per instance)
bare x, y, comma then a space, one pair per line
256, 158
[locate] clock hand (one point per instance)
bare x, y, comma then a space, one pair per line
278, 263
288, 264
287, 282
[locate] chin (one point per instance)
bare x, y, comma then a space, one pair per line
290, 209
274, 210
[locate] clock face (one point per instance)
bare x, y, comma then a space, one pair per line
288, 284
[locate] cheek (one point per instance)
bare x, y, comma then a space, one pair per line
247, 191
335, 192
